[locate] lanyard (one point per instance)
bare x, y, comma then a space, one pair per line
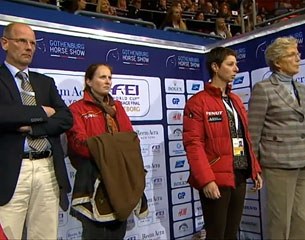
232, 110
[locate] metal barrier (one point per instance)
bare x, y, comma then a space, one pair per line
116, 18
274, 19
171, 29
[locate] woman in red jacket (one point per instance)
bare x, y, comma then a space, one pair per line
218, 147
96, 113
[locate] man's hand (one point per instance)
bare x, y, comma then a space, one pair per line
211, 190
48, 110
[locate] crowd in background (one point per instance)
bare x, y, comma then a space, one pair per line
177, 13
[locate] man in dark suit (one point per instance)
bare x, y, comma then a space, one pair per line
33, 174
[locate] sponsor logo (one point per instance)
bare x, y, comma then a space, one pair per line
133, 94
113, 55
144, 150
241, 54
175, 101
181, 195
241, 80
65, 49
238, 80
156, 149
74, 234
174, 116
160, 215
155, 200
199, 223
188, 63
135, 57
130, 223
157, 234
176, 148
128, 56
171, 61
133, 237
179, 179
251, 224
194, 86
69, 93
175, 132
178, 164
198, 208
217, 113
215, 118
62, 218
125, 89
174, 85
183, 228
157, 182
148, 134
152, 166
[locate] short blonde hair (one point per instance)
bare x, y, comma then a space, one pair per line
277, 50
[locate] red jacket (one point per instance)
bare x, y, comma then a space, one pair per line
207, 138
2, 234
89, 121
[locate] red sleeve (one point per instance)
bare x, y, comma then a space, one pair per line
77, 135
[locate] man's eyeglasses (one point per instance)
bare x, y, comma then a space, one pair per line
22, 41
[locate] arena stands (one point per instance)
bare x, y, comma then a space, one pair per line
240, 15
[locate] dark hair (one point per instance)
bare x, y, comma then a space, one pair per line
91, 71
217, 55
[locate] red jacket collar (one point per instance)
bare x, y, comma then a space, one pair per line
216, 91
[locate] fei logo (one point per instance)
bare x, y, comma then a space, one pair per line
126, 89
133, 94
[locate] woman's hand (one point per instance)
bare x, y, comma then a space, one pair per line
258, 183
211, 190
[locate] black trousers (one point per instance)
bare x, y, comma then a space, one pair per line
222, 216
103, 230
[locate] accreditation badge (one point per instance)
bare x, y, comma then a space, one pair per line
238, 146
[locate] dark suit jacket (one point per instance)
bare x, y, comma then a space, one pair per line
14, 114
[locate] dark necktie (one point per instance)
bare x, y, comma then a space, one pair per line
28, 98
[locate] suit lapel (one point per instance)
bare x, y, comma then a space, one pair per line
284, 94
301, 91
7, 79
